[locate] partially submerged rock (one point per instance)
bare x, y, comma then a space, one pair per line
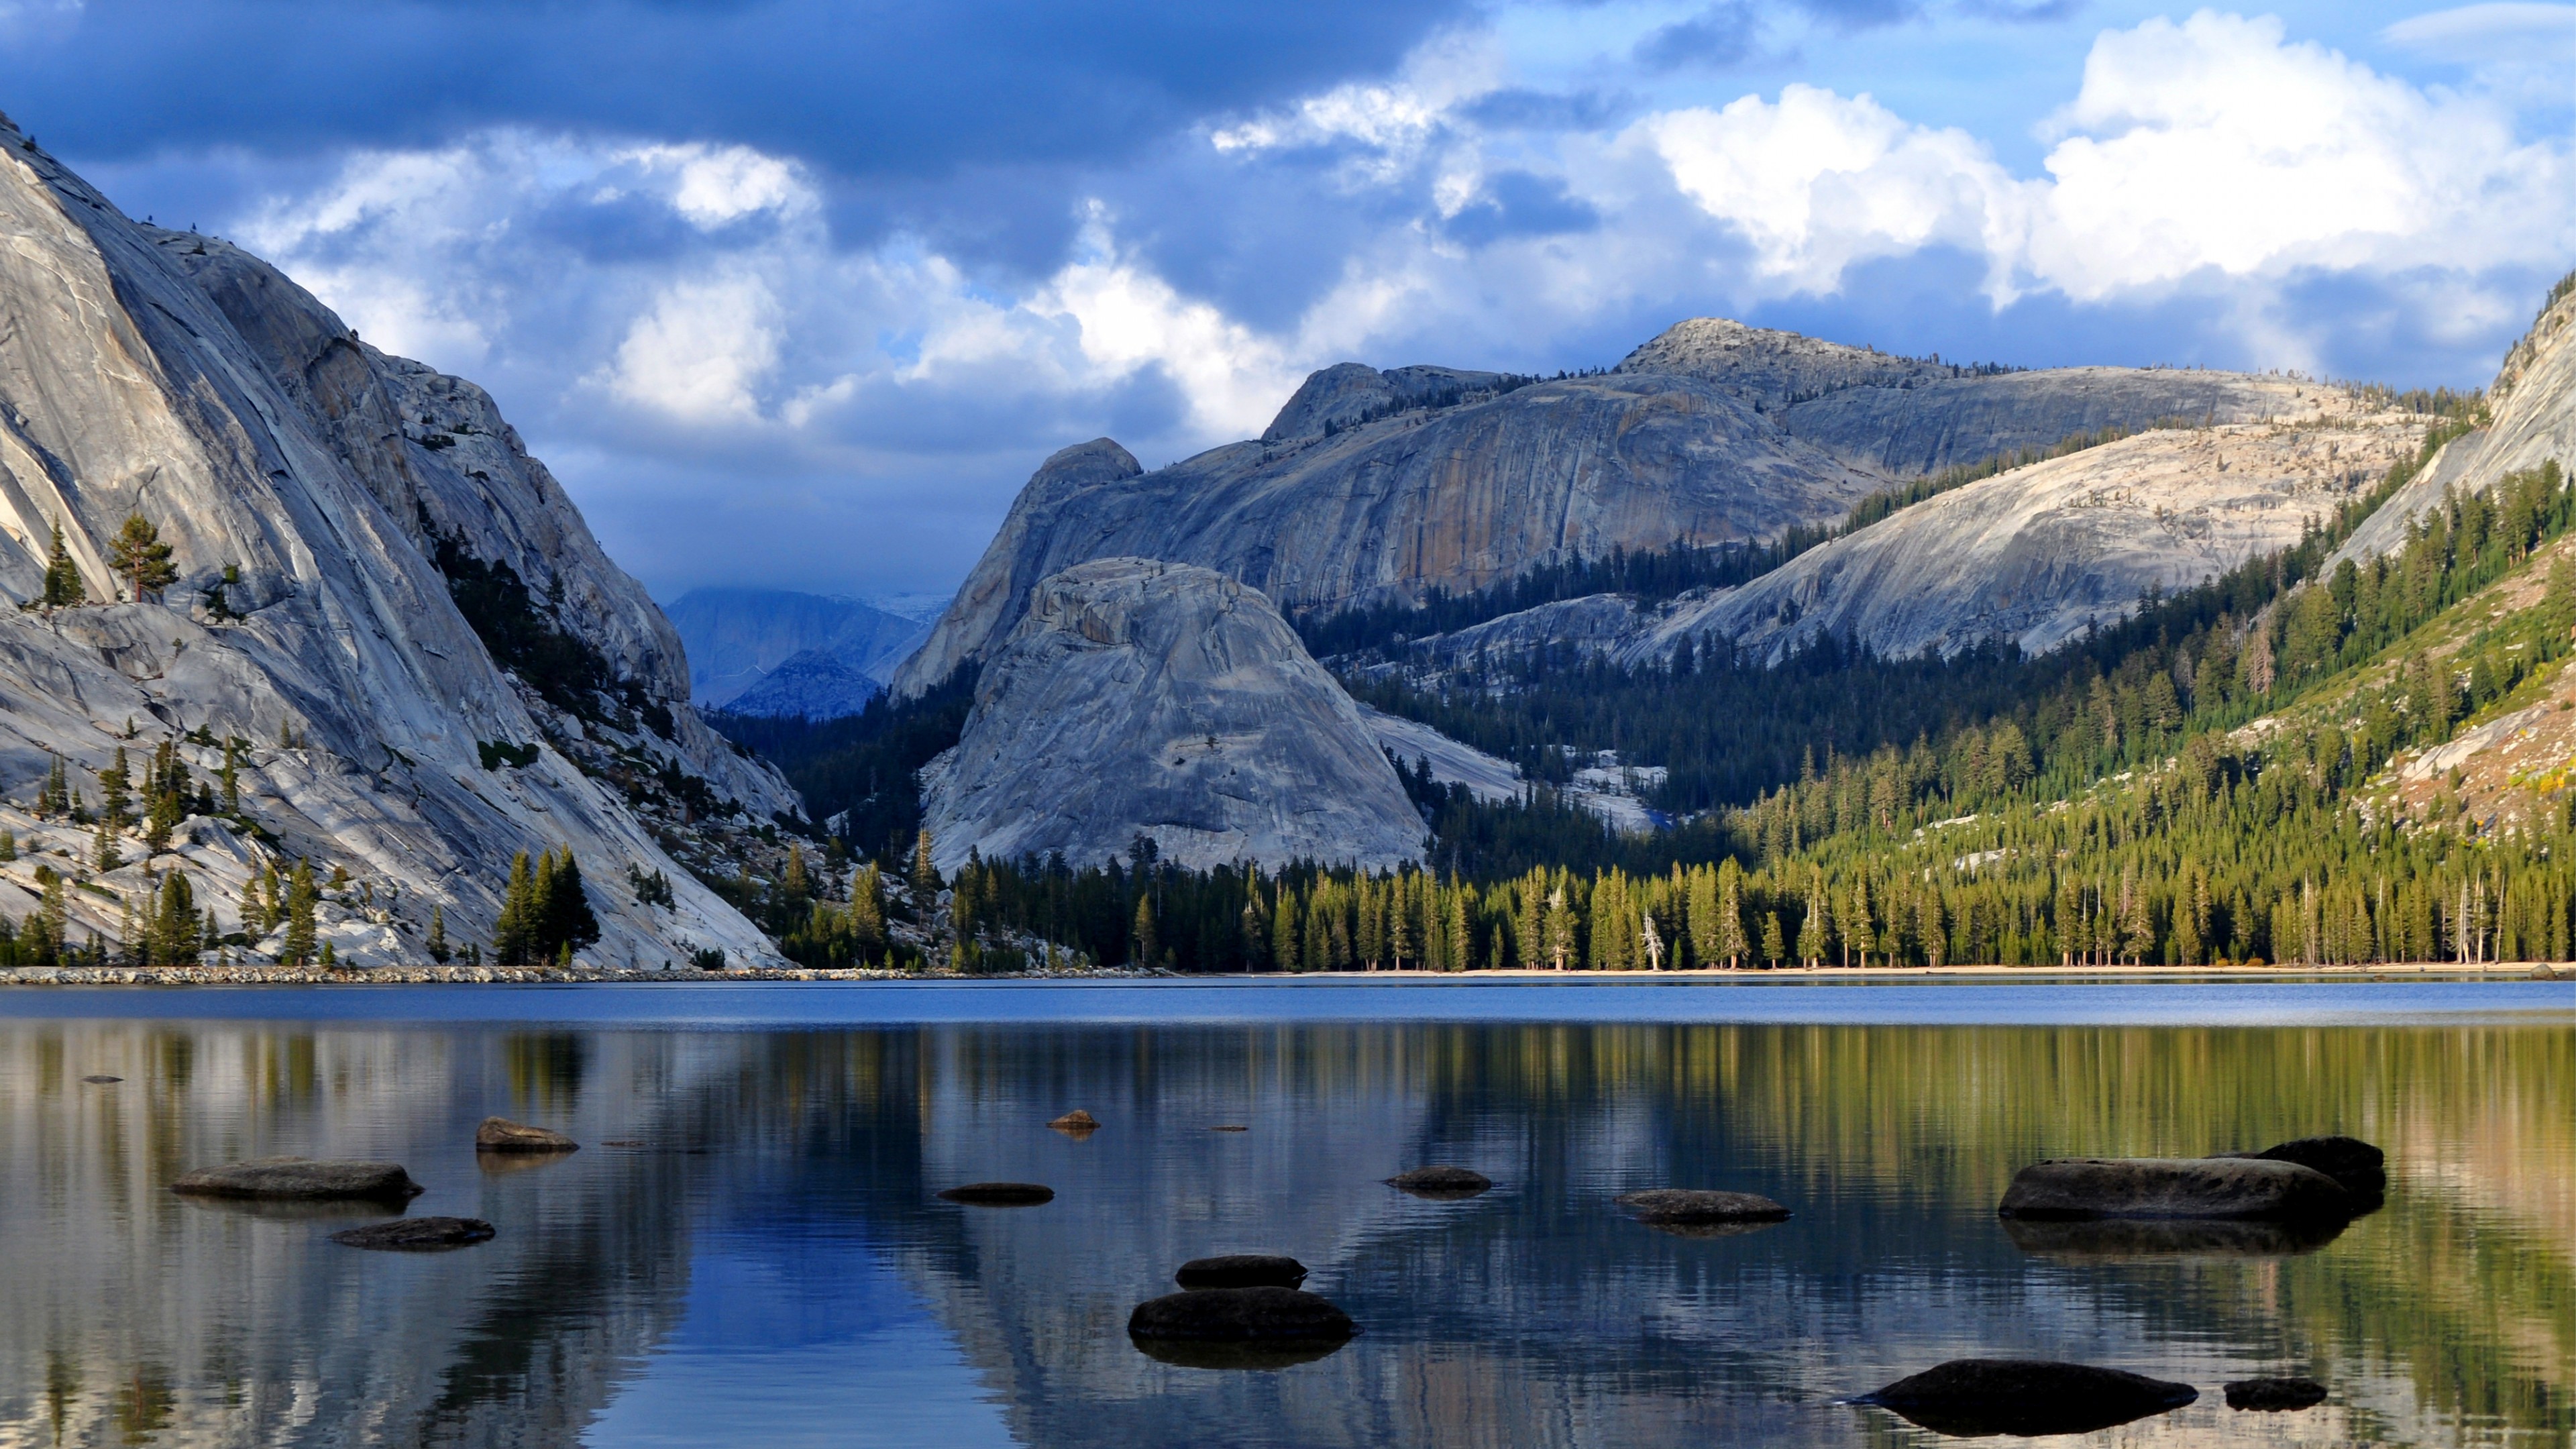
1241, 1270
1972, 1397
500, 1134
1000, 1194
2120, 1239
1076, 1123
1260, 1355
2358, 1167
301, 1179
417, 1235
102, 1079
1270, 1314
1441, 1183
2173, 1187
2275, 1396
1686, 1206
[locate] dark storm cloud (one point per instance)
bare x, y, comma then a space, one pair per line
878, 89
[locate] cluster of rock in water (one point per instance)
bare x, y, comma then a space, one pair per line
1251, 1310
311, 1180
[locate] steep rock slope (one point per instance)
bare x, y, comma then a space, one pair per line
1374, 486
736, 637
2037, 554
306, 482
2532, 420
1137, 697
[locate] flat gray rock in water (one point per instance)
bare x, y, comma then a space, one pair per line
1698, 1205
301, 1178
1441, 1182
417, 1235
500, 1134
2173, 1187
1973, 1397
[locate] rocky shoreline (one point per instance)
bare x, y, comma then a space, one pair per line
551, 975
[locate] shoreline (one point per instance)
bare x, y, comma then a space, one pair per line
2522, 971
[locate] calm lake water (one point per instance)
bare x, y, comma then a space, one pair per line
748, 1250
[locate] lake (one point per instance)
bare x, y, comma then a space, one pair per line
749, 1249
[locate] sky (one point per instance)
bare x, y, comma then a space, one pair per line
794, 294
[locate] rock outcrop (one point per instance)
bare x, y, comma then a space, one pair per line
1700, 1205
300, 1179
500, 1134
2532, 420
2030, 1398
1376, 486
1158, 700
2038, 554
329, 508
417, 1235
2174, 1187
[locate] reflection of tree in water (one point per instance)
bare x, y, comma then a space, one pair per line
1539, 1315
1536, 1314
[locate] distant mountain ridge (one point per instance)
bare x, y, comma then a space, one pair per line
1375, 487
837, 653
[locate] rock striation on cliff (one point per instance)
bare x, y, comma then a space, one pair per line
333, 514
1139, 698
1377, 486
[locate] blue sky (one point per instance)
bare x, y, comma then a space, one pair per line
796, 294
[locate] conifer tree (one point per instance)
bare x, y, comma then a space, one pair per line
512, 933
1283, 930
8, 845
115, 798
867, 911
300, 899
106, 857
563, 917
231, 777
175, 937
1775, 946
62, 588
925, 876
1148, 949
1730, 914
141, 558
438, 950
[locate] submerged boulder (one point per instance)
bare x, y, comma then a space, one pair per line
1269, 1314
417, 1235
1973, 1397
301, 1179
500, 1134
1076, 1123
1000, 1194
2173, 1187
2275, 1396
1441, 1183
2358, 1167
1694, 1206
1241, 1270
2123, 1239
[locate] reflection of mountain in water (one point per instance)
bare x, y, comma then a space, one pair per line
797, 1169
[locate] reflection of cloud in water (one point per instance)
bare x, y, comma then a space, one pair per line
770, 1262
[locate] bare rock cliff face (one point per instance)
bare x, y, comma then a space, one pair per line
2532, 421
1373, 486
2038, 554
311, 488
1143, 698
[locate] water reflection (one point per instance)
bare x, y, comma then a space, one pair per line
750, 1245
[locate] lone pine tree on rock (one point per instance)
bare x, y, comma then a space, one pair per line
141, 558
62, 588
